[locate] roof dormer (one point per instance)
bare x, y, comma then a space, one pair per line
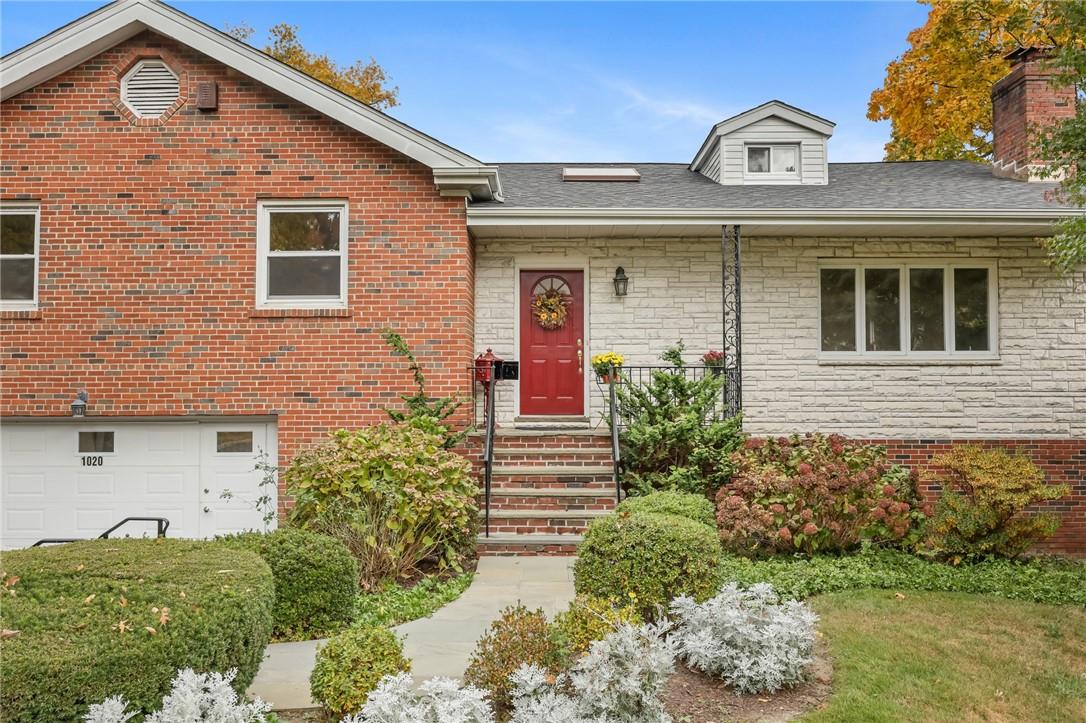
774, 143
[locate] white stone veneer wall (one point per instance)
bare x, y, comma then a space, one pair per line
1036, 389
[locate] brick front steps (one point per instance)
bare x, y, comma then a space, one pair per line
546, 487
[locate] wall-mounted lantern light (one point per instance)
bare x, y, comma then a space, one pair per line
622, 282
79, 404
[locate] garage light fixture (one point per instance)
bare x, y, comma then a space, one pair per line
622, 282
79, 404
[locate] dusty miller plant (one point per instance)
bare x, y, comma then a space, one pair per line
438, 700
619, 680
205, 697
750, 638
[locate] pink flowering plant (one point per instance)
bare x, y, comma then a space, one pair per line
713, 358
813, 494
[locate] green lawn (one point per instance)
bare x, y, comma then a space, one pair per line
952, 657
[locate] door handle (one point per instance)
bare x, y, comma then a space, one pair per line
580, 359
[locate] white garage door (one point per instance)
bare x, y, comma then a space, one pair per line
76, 479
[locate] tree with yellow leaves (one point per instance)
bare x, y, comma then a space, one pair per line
362, 81
937, 95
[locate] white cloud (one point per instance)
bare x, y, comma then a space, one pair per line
667, 109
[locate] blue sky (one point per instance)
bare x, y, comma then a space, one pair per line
584, 81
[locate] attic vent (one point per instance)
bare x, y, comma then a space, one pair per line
150, 88
601, 174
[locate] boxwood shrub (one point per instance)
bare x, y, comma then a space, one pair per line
682, 504
648, 559
119, 617
316, 580
350, 666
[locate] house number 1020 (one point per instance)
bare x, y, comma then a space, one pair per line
93, 460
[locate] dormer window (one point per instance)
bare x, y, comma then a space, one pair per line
773, 160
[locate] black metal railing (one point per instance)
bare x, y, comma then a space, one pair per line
488, 453
161, 525
628, 377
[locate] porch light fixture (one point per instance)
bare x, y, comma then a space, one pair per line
79, 404
622, 282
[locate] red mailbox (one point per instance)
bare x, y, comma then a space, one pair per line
485, 366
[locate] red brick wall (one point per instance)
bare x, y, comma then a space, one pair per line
147, 264
1021, 102
1063, 460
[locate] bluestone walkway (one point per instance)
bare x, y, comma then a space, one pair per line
442, 643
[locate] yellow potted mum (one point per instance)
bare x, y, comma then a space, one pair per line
603, 364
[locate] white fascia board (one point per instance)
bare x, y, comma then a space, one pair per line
479, 182
491, 216
75, 43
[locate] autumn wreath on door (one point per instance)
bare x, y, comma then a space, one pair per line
550, 302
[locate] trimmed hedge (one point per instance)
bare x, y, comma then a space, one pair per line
1043, 581
681, 504
119, 617
350, 666
316, 580
648, 559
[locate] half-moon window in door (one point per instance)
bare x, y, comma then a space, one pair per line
551, 298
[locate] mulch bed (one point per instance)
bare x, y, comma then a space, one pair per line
693, 697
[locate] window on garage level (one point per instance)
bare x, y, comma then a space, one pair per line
302, 254
18, 257
915, 310
233, 442
96, 442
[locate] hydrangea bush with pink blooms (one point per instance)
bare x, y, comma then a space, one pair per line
813, 494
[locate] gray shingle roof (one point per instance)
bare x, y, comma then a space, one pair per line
901, 185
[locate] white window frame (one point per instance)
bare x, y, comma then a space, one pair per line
906, 355
24, 210
797, 147
96, 430
264, 252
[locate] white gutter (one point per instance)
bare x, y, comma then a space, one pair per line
502, 216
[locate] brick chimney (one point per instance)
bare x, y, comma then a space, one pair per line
1022, 101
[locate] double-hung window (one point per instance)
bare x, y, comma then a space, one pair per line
18, 257
778, 160
302, 254
915, 310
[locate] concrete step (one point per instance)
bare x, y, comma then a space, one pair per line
571, 470
536, 544
552, 451
549, 499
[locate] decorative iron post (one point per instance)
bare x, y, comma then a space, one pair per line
732, 297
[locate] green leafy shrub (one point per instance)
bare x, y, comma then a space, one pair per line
588, 619
647, 559
681, 504
981, 510
518, 637
393, 494
813, 494
395, 604
1044, 581
316, 579
422, 411
351, 664
120, 617
672, 437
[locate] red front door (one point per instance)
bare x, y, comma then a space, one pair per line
552, 351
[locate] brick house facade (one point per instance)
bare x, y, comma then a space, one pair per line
152, 267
